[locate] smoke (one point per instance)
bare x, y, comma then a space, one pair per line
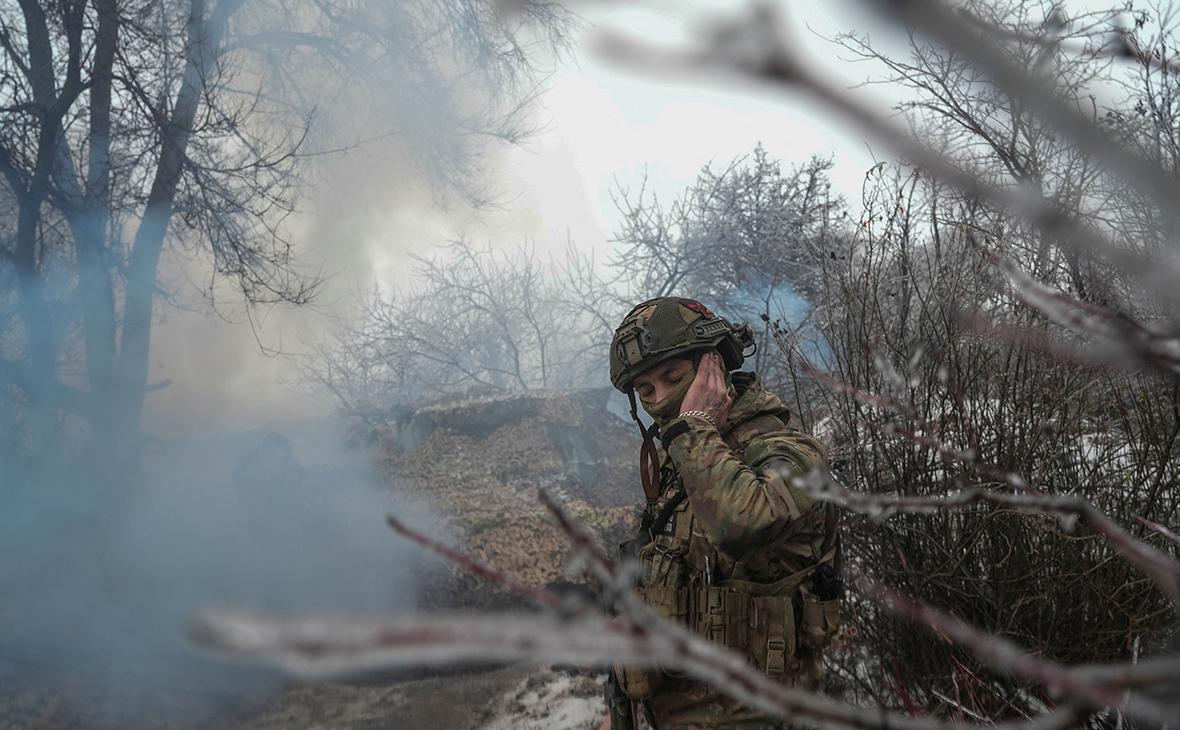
99, 580
370, 201
248, 494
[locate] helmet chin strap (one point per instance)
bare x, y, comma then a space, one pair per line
649, 460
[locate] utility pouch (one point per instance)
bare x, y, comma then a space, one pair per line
772, 634
821, 620
662, 563
722, 615
663, 573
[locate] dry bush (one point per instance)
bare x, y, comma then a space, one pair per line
897, 323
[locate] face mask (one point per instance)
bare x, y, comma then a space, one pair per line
667, 409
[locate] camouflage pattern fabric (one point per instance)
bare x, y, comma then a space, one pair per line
742, 524
739, 485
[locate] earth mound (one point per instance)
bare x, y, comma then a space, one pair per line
480, 461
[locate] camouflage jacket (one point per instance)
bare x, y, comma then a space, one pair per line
734, 559
746, 515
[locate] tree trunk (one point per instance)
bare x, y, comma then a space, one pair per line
34, 306
93, 216
205, 33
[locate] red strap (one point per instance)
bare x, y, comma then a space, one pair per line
649, 466
649, 458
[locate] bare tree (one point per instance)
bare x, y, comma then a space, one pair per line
942, 368
745, 238
471, 319
130, 126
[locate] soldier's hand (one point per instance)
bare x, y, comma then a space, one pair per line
709, 392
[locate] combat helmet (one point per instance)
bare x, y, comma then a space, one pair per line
659, 330
664, 328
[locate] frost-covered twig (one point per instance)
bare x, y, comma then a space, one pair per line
859, 394
956, 392
945, 452
754, 47
320, 647
1170, 534
1036, 340
1005, 656
324, 646
1120, 44
976, 40
1144, 673
1118, 339
1163, 570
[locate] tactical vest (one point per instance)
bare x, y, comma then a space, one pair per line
686, 580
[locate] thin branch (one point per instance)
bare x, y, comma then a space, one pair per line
331, 646
1163, 570
1170, 534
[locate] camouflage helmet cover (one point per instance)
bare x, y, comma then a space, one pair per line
668, 327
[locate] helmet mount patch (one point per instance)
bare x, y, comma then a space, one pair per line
711, 328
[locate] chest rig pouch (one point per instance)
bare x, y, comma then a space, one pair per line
665, 574
767, 623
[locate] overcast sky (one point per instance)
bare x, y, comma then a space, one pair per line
610, 122
602, 122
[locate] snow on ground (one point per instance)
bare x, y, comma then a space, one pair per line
551, 700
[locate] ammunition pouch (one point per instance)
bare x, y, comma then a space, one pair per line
768, 623
758, 620
821, 607
662, 585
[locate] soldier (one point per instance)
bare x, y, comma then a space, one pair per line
727, 546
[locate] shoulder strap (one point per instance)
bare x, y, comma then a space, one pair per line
649, 459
